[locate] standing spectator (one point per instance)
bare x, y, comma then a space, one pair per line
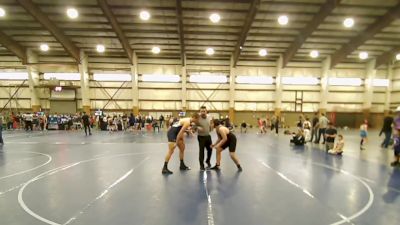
260, 125
307, 129
330, 134
387, 130
8, 120
28, 121
277, 125
363, 134
86, 123
314, 130
131, 121
243, 127
265, 126
124, 121
1, 131
161, 119
273, 122
300, 122
322, 125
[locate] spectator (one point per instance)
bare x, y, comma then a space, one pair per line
363, 134
243, 127
338, 150
298, 139
387, 130
276, 125
1, 131
396, 147
307, 129
161, 119
260, 125
330, 135
28, 121
322, 124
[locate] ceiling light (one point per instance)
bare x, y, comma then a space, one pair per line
2, 12
144, 15
100, 48
72, 13
254, 80
262, 52
210, 51
380, 82
363, 55
344, 81
348, 22
44, 47
300, 80
283, 20
156, 50
241, 47
218, 79
314, 54
62, 76
13, 75
112, 76
215, 17
160, 78
398, 56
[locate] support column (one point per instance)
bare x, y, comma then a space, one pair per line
184, 83
278, 87
323, 104
368, 88
389, 89
232, 76
85, 89
33, 80
135, 84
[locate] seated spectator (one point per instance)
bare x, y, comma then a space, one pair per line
338, 149
298, 139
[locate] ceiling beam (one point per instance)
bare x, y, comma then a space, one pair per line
374, 28
179, 17
307, 31
42, 18
13, 47
251, 15
387, 57
117, 28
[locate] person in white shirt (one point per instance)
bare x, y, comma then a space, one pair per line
307, 129
338, 149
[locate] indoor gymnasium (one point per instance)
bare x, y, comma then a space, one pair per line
199, 112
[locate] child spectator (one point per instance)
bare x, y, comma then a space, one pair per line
363, 134
307, 129
338, 150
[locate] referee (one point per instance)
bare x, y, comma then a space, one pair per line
204, 138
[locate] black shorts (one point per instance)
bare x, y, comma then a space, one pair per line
173, 133
231, 143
